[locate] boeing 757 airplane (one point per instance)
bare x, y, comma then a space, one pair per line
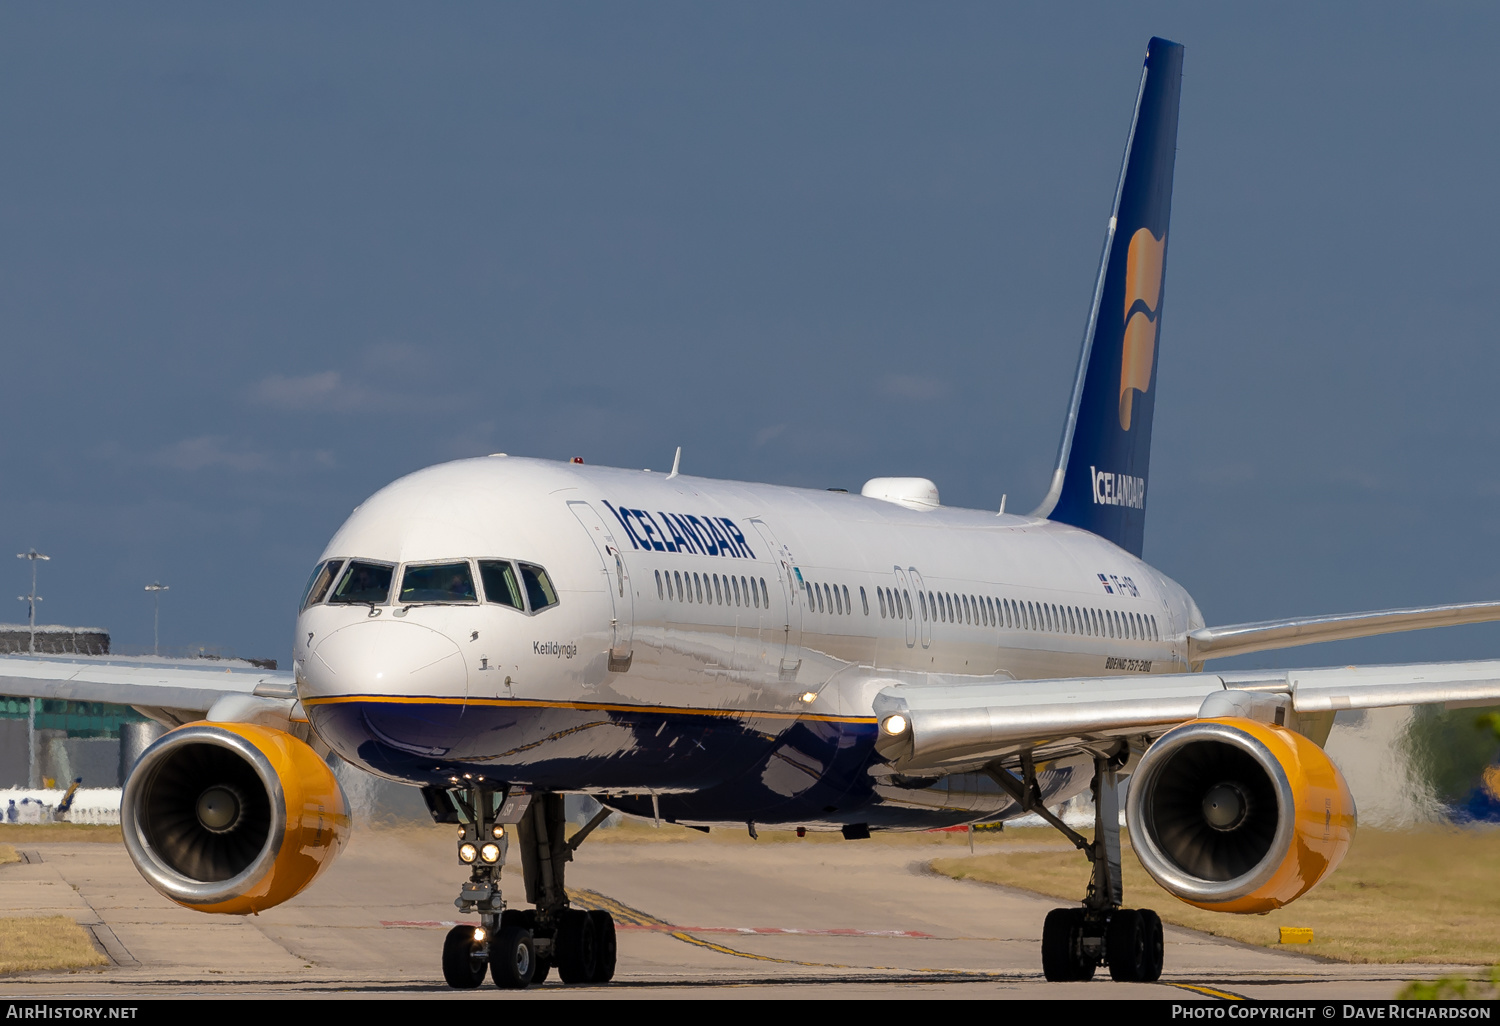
500, 632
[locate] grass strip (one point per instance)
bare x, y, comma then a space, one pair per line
44, 833
1419, 896
46, 942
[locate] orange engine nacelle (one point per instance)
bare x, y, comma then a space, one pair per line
232, 817
1233, 815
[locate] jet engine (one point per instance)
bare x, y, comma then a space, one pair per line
1234, 815
232, 817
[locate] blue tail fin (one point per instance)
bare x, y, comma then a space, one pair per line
1103, 462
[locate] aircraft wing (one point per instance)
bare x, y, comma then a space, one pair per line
950, 726
166, 691
1244, 638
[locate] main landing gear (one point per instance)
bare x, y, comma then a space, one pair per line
1076, 941
519, 947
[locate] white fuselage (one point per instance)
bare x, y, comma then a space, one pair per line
697, 614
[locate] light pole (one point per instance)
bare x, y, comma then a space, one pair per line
156, 588
31, 601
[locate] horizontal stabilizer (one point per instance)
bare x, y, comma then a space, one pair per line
1244, 638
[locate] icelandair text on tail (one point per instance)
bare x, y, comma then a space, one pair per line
1118, 489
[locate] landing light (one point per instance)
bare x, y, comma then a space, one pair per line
498, 831
809, 696
467, 852
479, 935
894, 724
490, 853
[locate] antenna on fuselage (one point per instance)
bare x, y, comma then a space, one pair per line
1002, 507
676, 462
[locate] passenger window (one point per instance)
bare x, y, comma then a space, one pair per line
319, 583
364, 582
539, 590
864, 600
838, 599
765, 599
677, 583
500, 585
660, 591
698, 586
736, 588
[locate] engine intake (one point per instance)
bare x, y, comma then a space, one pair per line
1234, 815
232, 817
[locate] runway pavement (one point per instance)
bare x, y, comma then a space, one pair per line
699, 918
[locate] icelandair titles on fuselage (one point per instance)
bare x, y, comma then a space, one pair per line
1118, 489
682, 532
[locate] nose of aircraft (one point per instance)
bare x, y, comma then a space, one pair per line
384, 657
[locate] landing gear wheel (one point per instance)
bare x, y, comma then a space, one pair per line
1062, 949
463, 960
525, 919
1155, 946
1126, 945
577, 949
512, 958
604, 940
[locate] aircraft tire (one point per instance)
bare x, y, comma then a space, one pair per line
1127, 946
576, 947
1155, 946
1062, 959
605, 946
461, 969
512, 958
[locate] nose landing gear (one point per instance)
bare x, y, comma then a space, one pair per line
519, 947
1076, 941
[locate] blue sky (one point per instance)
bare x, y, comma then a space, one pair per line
256, 263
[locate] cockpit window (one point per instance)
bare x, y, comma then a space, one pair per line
364, 582
321, 579
438, 582
539, 590
500, 584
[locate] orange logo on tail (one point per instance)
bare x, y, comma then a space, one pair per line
1143, 264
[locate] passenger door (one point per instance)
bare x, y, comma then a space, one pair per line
907, 599
786, 576
617, 586
924, 614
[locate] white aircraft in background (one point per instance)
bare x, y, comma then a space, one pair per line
500, 632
